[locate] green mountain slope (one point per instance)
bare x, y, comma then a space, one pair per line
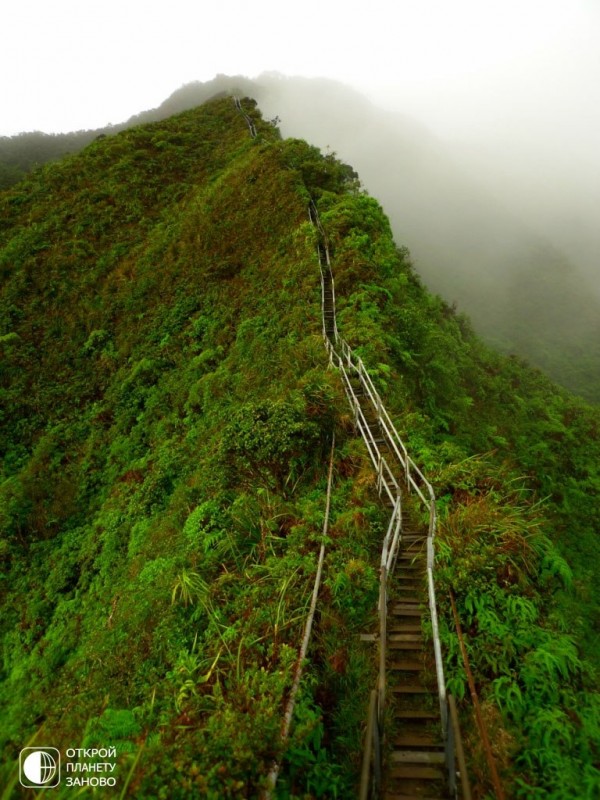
525, 292
167, 413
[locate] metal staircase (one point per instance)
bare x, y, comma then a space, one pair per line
409, 748
416, 760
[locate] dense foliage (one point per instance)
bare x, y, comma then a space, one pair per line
523, 295
167, 411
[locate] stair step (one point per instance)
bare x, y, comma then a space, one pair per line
402, 627
410, 772
405, 637
409, 688
410, 740
406, 610
417, 757
393, 796
416, 713
406, 665
405, 645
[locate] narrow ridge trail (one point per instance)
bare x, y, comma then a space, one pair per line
409, 752
411, 748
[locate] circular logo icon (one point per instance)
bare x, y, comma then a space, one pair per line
40, 767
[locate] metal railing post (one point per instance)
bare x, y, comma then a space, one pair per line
449, 747
459, 750
370, 747
382, 645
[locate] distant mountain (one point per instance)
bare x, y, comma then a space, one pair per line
22, 153
522, 293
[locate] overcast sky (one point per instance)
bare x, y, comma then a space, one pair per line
455, 64
517, 81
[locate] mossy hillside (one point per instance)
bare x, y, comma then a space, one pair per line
170, 413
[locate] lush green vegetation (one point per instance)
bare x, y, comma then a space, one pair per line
518, 525
527, 299
167, 414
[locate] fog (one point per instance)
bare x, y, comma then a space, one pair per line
506, 233
530, 177
526, 128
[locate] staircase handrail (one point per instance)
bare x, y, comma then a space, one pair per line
341, 354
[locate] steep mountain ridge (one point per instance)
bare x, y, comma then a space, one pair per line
522, 292
168, 411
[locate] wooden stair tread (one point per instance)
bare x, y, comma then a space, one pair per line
410, 688
403, 627
406, 611
404, 645
416, 740
400, 605
418, 757
406, 666
416, 772
394, 796
416, 713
